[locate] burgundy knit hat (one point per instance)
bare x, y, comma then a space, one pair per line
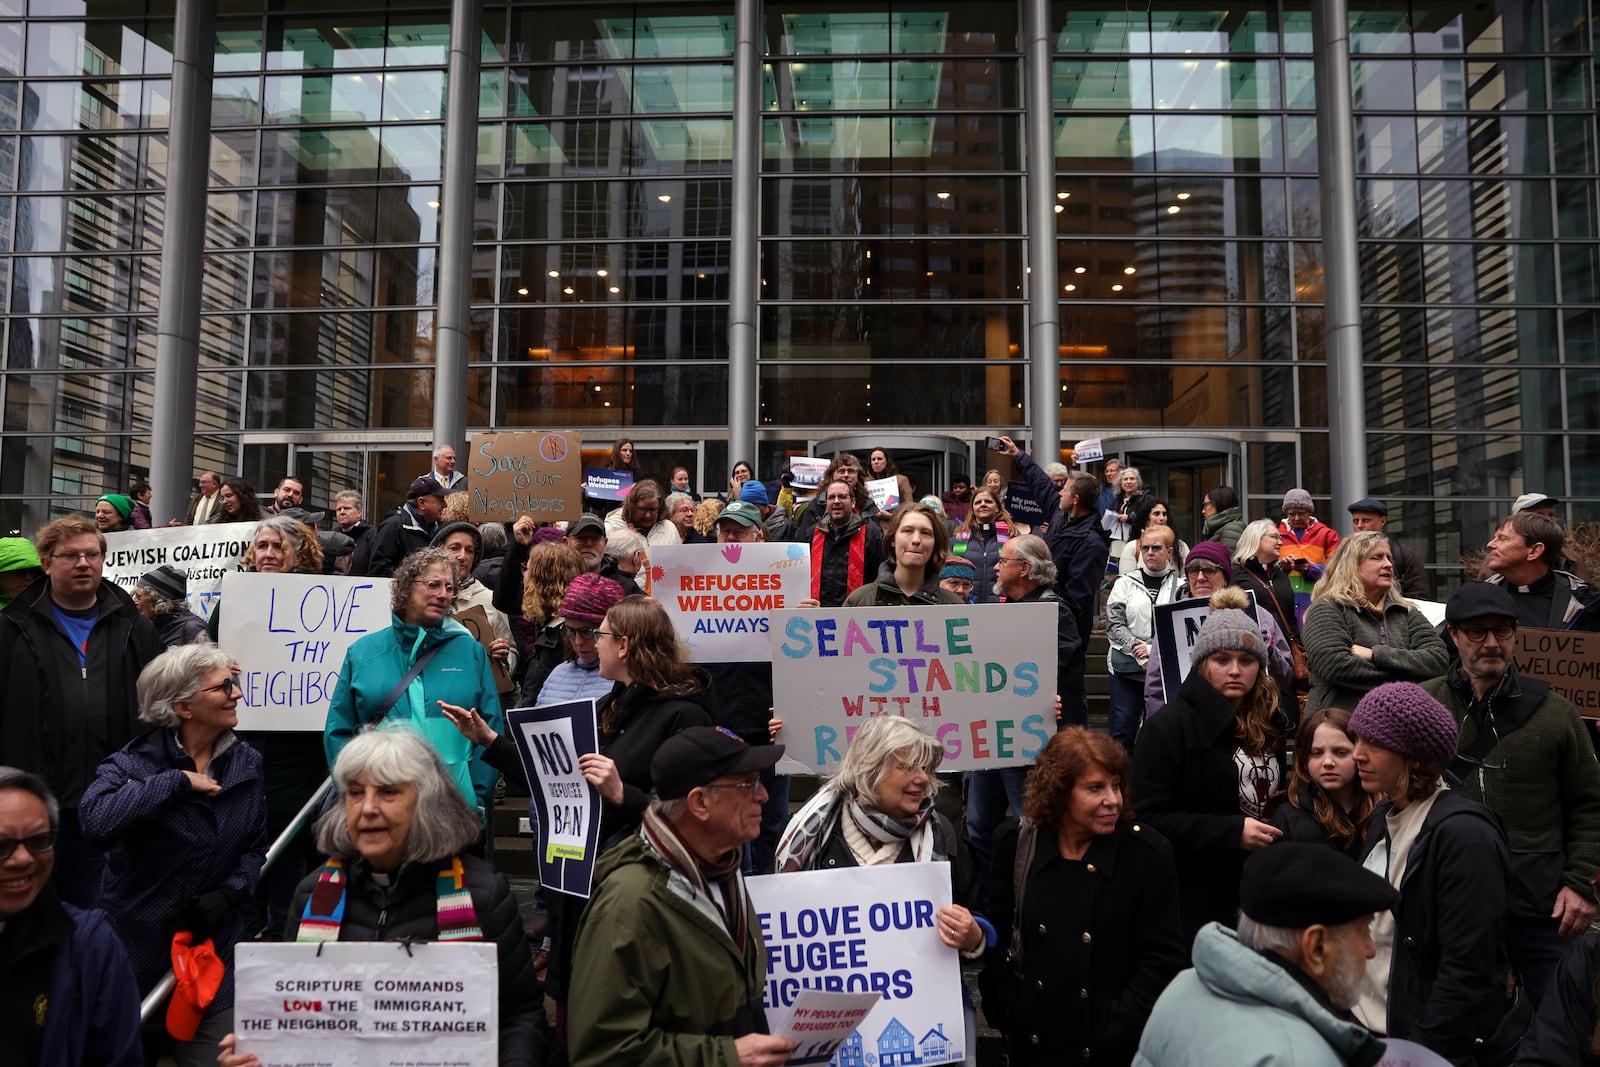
549, 533
1212, 552
1404, 719
588, 599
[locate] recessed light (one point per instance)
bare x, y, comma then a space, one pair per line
553, 273
614, 289
1183, 196
1117, 288
601, 273
1174, 209
568, 290
1130, 270
665, 198
522, 292
1069, 287
1080, 270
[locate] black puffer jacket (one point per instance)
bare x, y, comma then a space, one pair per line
641, 720
1562, 1032
1299, 823
1448, 973
408, 910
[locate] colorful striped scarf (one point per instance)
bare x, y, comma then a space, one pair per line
727, 873
324, 914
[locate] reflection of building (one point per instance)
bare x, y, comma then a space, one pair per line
892, 237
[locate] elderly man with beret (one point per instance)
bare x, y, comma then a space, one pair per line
1279, 991
1525, 754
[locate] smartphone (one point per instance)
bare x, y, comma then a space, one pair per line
994, 444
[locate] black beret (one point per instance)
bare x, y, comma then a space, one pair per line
1377, 507
1293, 885
1478, 600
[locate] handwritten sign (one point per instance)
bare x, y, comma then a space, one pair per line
290, 633
565, 806
720, 598
602, 484
476, 620
1177, 628
367, 1003
867, 930
981, 678
204, 553
885, 492
1567, 659
536, 473
1088, 450
818, 1023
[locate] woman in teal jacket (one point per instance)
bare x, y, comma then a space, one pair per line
457, 672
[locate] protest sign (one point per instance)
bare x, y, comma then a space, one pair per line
981, 678
1177, 627
204, 553
1020, 503
534, 473
1088, 451
720, 597
367, 1003
602, 484
807, 473
290, 633
818, 1023
550, 740
476, 620
1431, 610
1567, 659
885, 492
867, 930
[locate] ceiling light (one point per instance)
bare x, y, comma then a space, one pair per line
1080, 270
1069, 287
1183, 196
614, 289
1062, 196
568, 290
1117, 288
1174, 209
522, 292
601, 273
665, 198
1059, 209
553, 273
1130, 270
942, 195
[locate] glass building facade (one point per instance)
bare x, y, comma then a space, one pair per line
894, 293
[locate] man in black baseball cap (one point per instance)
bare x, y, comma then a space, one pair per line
409, 527
1280, 990
673, 965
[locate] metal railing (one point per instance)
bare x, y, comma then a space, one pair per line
157, 997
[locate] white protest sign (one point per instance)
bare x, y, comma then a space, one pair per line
204, 553
981, 678
818, 1023
290, 633
1431, 610
867, 930
885, 492
367, 1003
807, 473
720, 597
1177, 628
1088, 451
550, 740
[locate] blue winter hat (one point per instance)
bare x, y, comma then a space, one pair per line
754, 492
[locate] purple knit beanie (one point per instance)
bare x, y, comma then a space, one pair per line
1212, 552
1404, 719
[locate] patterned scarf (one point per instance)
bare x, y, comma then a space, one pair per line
800, 847
725, 872
324, 914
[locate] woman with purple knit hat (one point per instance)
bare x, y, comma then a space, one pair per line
1439, 976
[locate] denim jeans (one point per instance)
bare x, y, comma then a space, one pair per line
1127, 708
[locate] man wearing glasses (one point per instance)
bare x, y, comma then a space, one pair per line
1525, 753
67, 991
71, 649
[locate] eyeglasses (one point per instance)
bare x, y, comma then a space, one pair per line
73, 557
38, 844
595, 635
225, 686
1152, 548
1202, 568
437, 585
1502, 632
745, 783
1011, 559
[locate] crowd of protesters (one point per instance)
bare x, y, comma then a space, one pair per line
1353, 823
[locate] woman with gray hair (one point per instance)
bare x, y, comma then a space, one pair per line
182, 816
410, 671
878, 808
397, 870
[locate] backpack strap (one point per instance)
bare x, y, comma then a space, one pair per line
1027, 839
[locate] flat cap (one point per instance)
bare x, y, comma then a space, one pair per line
1375, 506
1295, 884
1477, 600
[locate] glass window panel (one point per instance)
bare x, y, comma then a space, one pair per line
911, 85
1206, 84
1208, 206
965, 393
1099, 30
415, 94
1442, 85
235, 102
1202, 27
1300, 83
1301, 136
679, 36
1575, 206
228, 219
1378, 27
10, 47
233, 158
1572, 82
1382, 85
293, 99
550, 91
418, 42
1085, 142
238, 45
890, 332
330, 155
681, 89
92, 161
1574, 143
337, 399
412, 153
1442, 144
571, 34
1386, 144
1388, 208
1114, 84
653, 271
1447, 399
1568, 25
1515, 144
86, 342
636, 395
1297, 26
1217, 142
78, 283
974, 26
602, 210
891, 270
1580, 273
1506, 85
408, 213
323, 42
1583, 413
828, 206
586, 335
921, 142
321, 216
1580, 335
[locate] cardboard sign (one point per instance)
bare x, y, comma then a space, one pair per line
602, 484
720, 598
867, 930
550, 740
1567, 659
818, 1023
1088, 451
1020, 503
290, 633
476, 620
885, 492
367, 1003
204, 553
981, 678
536, 473
1177, 628
806, 472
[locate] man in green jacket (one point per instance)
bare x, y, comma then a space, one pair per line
669, 966
1524, 752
